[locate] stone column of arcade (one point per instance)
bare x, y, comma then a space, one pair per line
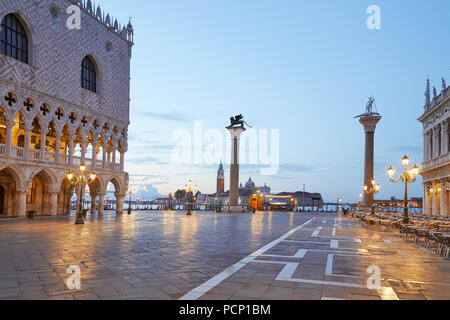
369, 122
235, 133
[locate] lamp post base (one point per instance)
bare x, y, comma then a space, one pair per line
79, 221
129, 210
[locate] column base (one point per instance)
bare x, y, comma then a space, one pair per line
235, 209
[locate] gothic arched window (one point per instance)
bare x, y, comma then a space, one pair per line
14, 41
88, 75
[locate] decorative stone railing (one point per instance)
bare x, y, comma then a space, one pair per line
436, 161
17, 152
35, 155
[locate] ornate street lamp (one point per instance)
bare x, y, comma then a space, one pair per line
339, 200
81, 179
189, 189
131, 191
372, 188
409, 176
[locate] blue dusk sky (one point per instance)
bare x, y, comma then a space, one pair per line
303, 67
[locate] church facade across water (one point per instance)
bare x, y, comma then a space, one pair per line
249, 190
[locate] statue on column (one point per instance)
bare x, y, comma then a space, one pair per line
238, 121
369, 105
369, 109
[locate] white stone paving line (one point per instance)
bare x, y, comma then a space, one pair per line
316, 232
386, 293
299, 255
196, 293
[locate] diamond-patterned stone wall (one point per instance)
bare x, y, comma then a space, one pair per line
56, 55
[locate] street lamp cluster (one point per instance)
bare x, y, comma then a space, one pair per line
408, 176
81, 178
189, 190
131, 191
372, 188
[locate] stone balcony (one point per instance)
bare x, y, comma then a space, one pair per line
442, 160
64, 159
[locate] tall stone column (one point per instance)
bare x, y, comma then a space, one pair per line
435, 201
44, 132
103, 156
26, 145
57, 147
70, 150
235, 133
435, 142
425, 147
443, 138
54, 204
94, 154
93, 197
83, 150
101, 203
425, 200
443, 197
22, 204
445, 129
9, 126
122, 160
119, 204
370, 123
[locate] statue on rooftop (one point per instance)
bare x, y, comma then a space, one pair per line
444, 85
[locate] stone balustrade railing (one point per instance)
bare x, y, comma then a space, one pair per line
35, 155
436, 161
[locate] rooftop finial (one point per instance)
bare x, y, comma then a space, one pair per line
95, 11
427, 93
130, 31
444, 85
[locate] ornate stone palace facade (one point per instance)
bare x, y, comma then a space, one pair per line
64, 101
436, 151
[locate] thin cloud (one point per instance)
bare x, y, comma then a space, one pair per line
294, 167
178, 117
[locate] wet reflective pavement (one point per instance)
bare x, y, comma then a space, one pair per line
168, 255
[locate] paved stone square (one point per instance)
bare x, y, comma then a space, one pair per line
168, 255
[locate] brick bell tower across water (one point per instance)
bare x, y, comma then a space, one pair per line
220, 179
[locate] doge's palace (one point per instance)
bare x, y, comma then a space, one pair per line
64, 101
436, 151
